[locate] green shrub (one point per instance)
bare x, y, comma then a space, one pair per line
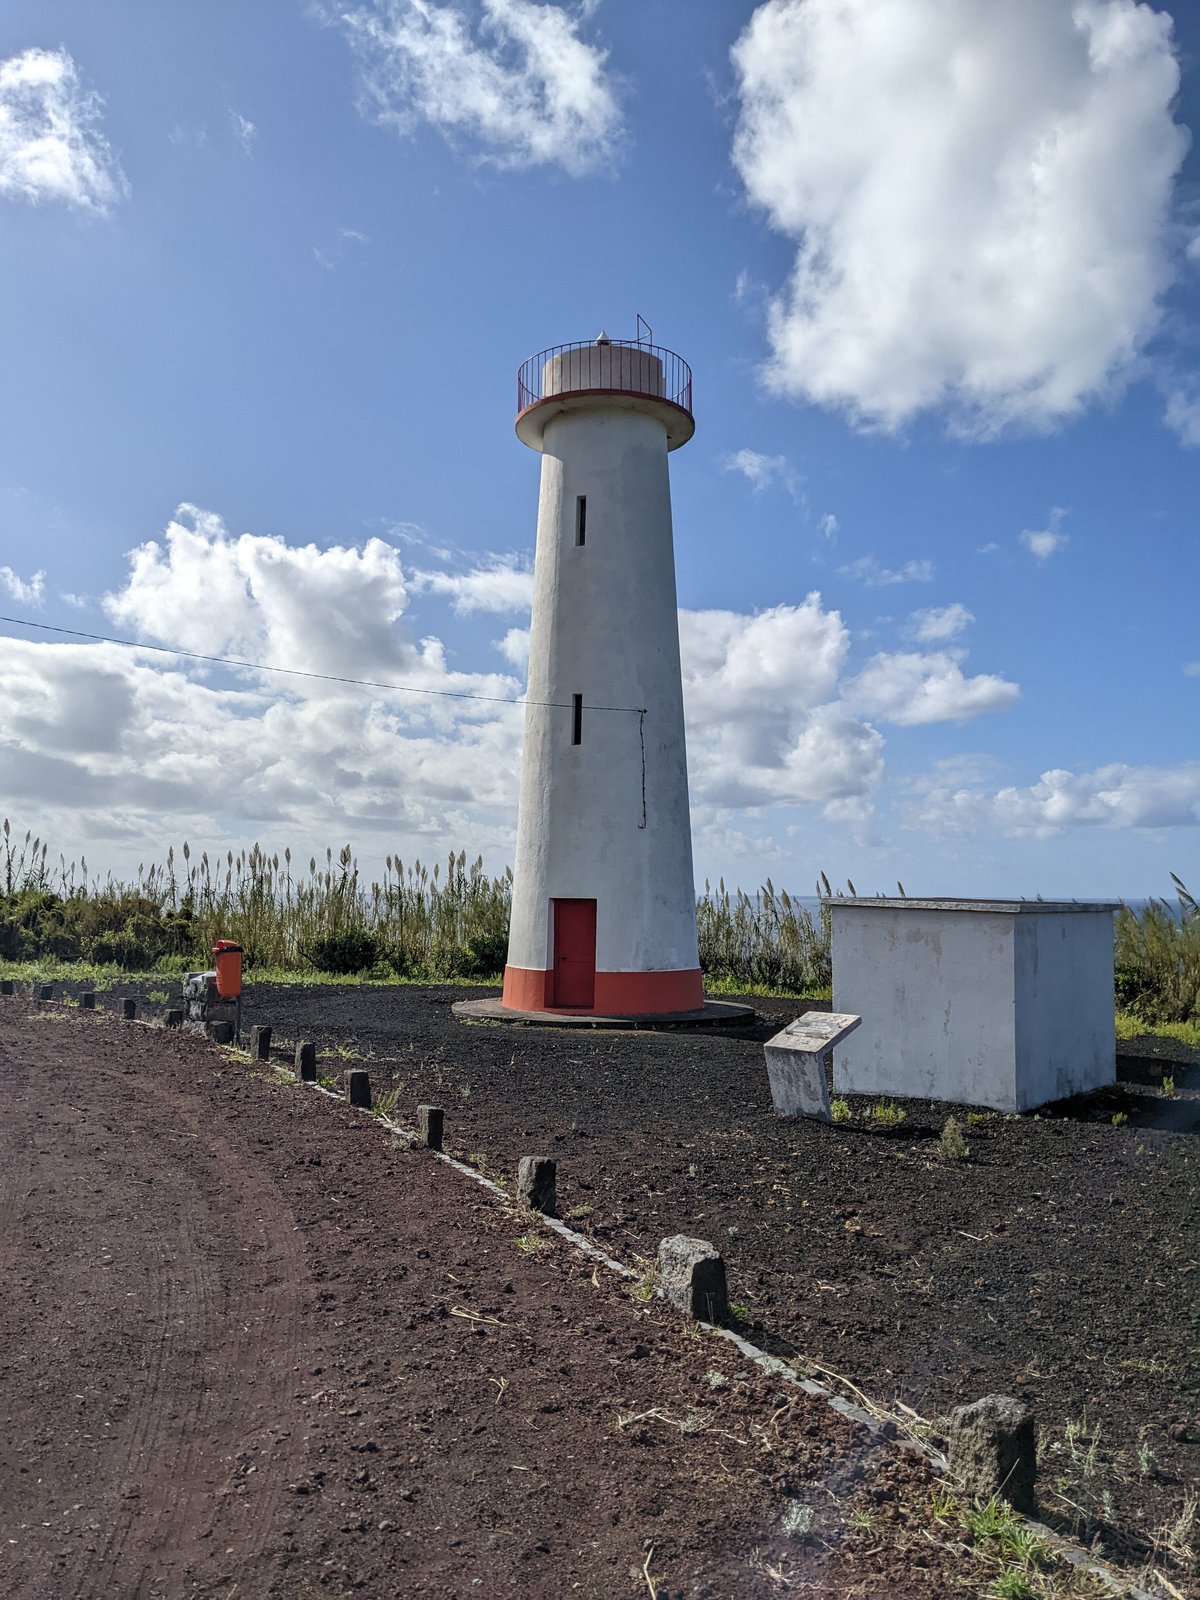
888, 1113
486, 955
952, 1143
345, 952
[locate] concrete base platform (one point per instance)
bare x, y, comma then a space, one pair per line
712, 1014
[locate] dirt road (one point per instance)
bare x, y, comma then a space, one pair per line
250, 1346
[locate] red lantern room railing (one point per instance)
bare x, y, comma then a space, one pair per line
646, 376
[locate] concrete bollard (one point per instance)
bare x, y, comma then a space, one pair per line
306, 1062
129, 1010
6, 986
358, 1088
221, 1032
45, 991
87, 1001
429, 1125
173, 1019
260, 1043
992, 1449
537, 1184
691, 1275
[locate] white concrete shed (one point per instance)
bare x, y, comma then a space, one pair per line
1000, 1003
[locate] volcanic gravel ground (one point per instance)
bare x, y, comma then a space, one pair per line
1058, 1262
252, 1345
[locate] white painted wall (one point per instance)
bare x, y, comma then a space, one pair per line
1065, 1039
603, 366
1002, 1004
605, 624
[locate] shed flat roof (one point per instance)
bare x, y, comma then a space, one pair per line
1010, 908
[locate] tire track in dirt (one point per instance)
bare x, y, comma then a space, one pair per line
201, 1274
212, 1325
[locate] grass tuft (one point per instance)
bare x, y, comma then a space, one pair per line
952, 1144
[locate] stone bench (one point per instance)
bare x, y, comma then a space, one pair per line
796, 1062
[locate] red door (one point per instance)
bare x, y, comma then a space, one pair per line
574, 953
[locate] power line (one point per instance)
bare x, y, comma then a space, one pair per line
297, 672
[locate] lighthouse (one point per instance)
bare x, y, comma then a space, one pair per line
603, 901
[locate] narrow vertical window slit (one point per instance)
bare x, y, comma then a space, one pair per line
576, 719
580, 519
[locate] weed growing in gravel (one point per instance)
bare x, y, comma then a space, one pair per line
646, 1285
739, 1311
1024, 1566
1168, 1088
1012, 1584
888, 1113
577, 1213
531, 1244
1119, 1119
976, 1119
943, 1506
952, 1144
840, 1111
327, 1083
798, 1520
386, 1103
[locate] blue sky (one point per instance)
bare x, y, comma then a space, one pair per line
267, 275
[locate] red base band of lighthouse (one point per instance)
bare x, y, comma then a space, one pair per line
618, 994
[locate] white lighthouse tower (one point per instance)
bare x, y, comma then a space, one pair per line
604, 909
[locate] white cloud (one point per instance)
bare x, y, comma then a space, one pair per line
830, 526
936, 624
867, 570
1042, 543
1182, 414
764, 726
911, 688
514, 647
92, 731
1192, 669
347, 238
26, 593
335, 611
94, 737
762, 471
244, 131
520, 81
502, 583
50, 146
979, 193
88, 729
1115, 796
